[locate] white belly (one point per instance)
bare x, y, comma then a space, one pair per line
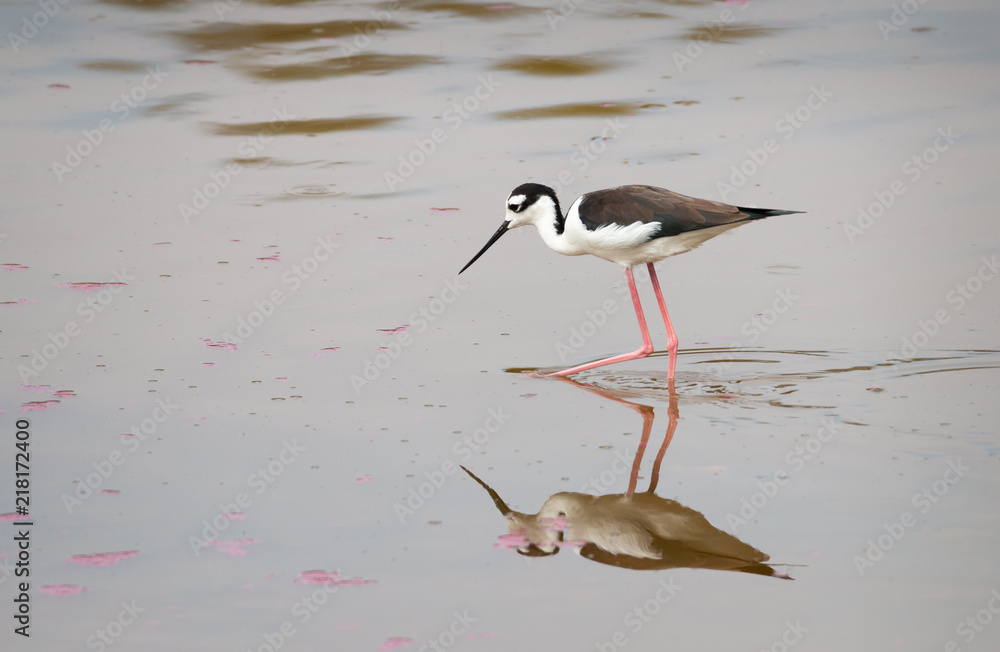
630, 245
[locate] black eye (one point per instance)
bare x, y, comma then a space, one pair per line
515, 207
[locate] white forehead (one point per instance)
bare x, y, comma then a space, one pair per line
516, 200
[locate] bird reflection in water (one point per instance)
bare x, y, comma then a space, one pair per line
641, 531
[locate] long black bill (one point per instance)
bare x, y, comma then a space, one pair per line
496, 236
497, 500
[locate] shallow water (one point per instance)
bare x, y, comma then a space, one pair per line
232, 321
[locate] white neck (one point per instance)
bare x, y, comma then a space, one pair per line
542, 214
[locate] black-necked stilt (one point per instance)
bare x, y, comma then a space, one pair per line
637, 529
628, 225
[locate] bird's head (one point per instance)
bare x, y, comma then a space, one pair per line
529, 203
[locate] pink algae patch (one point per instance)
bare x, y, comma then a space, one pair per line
13, 267
443, 210
393, 331
395, 643
473, 637
329, 577
19, 302
233, 547
47, 389
103, 558
512, 541
90, 287
110, 491
11, 516
271, 259
365, 478
37, 406
235, 516
62, 589
218, 345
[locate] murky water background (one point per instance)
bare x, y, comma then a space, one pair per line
231, 317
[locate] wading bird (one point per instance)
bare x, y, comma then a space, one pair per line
628, 225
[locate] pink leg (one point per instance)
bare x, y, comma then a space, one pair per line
647, 343
671, 335
647, 427
674, 414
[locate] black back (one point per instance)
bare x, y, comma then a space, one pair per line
676, 213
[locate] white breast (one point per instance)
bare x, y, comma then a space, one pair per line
629, 245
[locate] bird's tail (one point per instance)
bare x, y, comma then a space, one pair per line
765, 212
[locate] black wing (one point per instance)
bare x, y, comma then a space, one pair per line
676, 213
